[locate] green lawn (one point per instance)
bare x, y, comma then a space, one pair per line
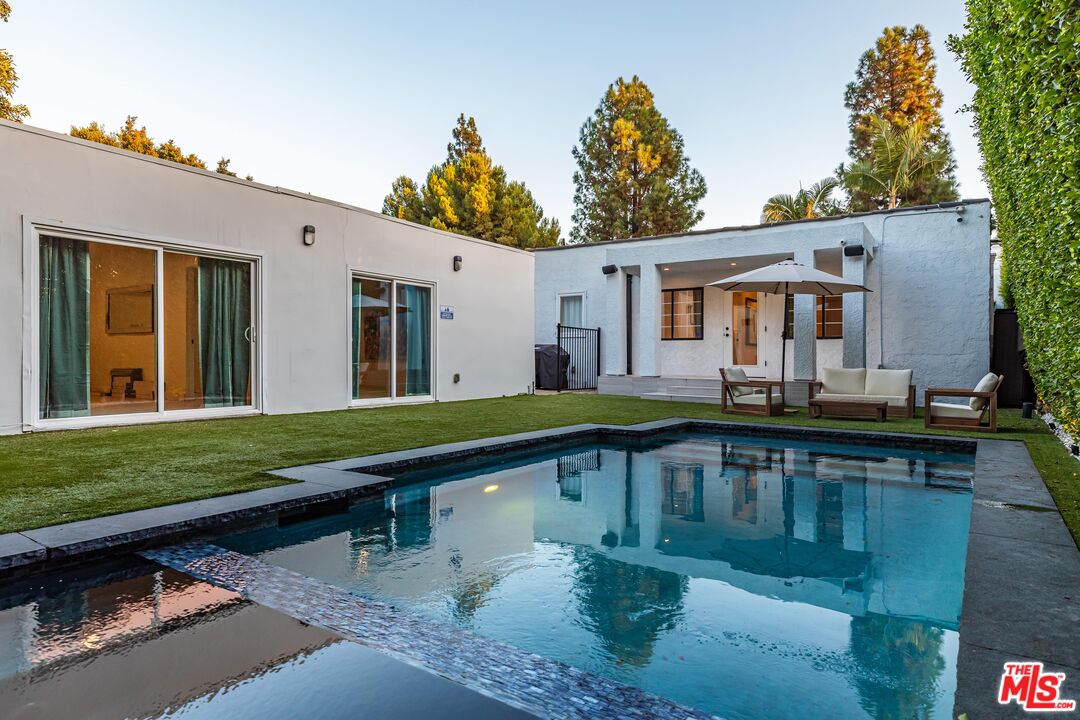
57, 477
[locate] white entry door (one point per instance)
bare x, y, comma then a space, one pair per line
744, 331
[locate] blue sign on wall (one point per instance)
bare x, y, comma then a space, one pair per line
446, 312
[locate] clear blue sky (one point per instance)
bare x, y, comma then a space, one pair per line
338, 98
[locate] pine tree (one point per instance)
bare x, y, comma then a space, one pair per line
137, 139
895, 80
9, 79
633, 178
469, 194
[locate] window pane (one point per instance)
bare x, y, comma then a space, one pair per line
371, 338
413, 340
122, 332
572, 310
208, 332
682, 314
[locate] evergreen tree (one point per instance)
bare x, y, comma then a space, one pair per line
633, 178
471, 195
895, 80
9, 79
137, 139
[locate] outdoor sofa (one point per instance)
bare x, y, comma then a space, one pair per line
850, 391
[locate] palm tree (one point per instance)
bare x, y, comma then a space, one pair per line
900, 159
815, 201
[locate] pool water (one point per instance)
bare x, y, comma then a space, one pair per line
139, 641
745, 577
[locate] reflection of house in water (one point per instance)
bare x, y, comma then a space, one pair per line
852, 532
138, 646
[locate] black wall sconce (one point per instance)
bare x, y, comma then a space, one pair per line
457, 263
309, 234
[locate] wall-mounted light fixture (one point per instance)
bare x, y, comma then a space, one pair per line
457, 263
309, 234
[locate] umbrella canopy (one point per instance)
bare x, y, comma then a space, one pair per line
789, 277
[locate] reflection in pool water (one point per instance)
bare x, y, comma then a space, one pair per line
138, 641
746, 577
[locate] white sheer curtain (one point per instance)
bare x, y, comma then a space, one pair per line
572, 310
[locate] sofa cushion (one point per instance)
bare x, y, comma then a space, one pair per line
988, 383
734, 375
844, 381
948, 410
887, 382
759, 399
893, 400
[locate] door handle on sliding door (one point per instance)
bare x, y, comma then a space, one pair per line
249, 333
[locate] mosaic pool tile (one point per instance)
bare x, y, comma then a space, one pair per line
538, 685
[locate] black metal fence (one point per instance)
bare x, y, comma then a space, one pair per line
582, 346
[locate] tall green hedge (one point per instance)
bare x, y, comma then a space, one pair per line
1024, 58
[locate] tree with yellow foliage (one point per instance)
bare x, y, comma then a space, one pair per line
895, 81
136, 139
633, 178
9, 79
469, 194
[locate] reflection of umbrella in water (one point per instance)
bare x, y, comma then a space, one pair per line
783, 556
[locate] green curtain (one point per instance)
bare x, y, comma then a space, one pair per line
224, 320
64, 352
417, 319
357, 300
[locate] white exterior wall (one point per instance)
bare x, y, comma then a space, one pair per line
304, 303
930, 308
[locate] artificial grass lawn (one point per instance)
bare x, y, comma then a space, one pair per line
54, 477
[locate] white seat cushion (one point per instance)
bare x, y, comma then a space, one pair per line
844, 381
948, 410
988, 383
893, 400
735, 375
887, 382
759, 399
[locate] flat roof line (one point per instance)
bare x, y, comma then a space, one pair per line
761, 226
276, 189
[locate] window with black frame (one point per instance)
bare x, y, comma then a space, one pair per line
683, 314
829, 318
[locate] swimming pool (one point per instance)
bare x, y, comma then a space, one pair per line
746, 577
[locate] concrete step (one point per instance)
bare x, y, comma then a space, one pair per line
693, 390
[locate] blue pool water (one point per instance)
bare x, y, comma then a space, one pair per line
746, 577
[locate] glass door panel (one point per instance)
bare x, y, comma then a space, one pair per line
744, 328
371, 339
413, 329
209, 332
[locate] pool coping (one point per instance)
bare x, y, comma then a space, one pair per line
1022, 571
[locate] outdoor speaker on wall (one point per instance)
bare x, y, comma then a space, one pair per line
853, 250
609, 269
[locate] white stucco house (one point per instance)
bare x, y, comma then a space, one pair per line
137, 290
664, 331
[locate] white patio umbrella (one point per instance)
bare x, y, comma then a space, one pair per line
784, 278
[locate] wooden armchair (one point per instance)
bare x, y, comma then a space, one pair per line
948, 416
741, 395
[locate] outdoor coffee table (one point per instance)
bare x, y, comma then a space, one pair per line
856, 408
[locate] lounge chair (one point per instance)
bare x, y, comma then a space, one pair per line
749, 397
949, 416
843, 390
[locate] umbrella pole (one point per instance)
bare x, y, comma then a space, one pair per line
783, 338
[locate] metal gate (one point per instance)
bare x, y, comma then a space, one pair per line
582, 346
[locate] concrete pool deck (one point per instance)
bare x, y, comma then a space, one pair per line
1022, 582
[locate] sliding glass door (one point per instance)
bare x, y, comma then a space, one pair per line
391, 342
129, 329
